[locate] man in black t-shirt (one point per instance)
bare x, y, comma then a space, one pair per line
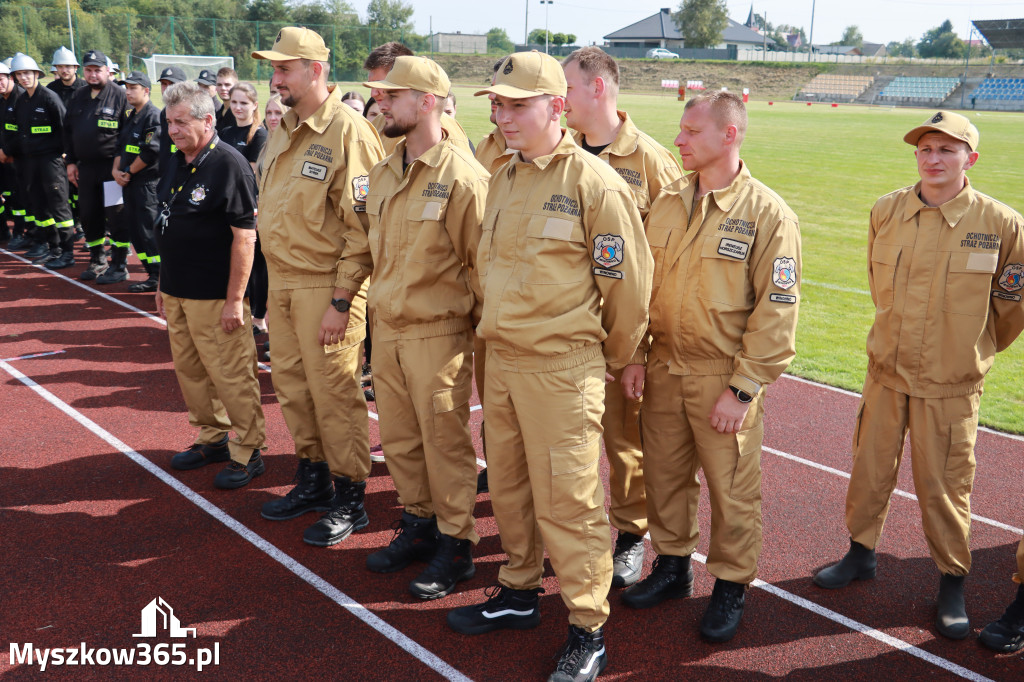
206, 235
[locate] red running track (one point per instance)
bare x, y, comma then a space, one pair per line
95, 525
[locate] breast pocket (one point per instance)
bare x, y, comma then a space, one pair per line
723, 271
969, 283
309, 179
555, 252
426, 239
885, 258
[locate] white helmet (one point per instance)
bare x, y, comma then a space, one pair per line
4, 69
64, 57
22, 62
112, 66
7, 63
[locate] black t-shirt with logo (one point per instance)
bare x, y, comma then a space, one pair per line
93, 124
214, 193
237, 137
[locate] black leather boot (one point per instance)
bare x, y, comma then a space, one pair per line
858, 564
345, 516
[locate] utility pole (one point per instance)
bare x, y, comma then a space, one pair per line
71, 31
811, 41
547, 34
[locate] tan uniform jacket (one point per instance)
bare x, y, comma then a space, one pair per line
455, 132
560, 234
947, 285
423, 236
315, 179
644, 164
726, 290
492, 152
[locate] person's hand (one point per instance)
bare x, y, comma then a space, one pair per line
160, 304
73, 174
332, 327
728, 413
633, 381
231, 317
122, 178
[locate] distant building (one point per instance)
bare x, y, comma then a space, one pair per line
659, 30
848, 50
459, 43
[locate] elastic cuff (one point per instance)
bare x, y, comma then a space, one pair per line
744, 384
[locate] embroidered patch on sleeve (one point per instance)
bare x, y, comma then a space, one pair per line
1012, 278
608, 250
614, 274
1005, 296
360, 187
784, 273
782, 298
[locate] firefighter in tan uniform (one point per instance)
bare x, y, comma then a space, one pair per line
592, 77
723, 325
377, 64
425, 206
312, 192
493, 151
566, 282
946, 269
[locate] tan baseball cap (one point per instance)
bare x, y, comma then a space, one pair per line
415, 73
296, 42
528, 74
947, 122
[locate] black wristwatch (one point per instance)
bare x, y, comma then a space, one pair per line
341, 305
741, 396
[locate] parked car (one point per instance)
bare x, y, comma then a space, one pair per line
661, 53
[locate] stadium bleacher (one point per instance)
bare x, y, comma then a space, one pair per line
826, 85
1000, 89
907, 88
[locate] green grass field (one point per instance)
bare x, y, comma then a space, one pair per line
830, 165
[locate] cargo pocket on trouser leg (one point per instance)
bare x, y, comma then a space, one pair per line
746, 478
575, 483
960, 462
449, 429
231, 350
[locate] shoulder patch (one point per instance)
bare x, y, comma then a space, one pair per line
608, 250
360, 187
784, 273
1012, 277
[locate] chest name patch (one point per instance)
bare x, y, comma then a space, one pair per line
314, 170
733, 248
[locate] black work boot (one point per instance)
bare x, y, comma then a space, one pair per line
201, 454
628, 559
65, 257
505, 608
582, 657
313, 491
345, 516
51, 253
952, 619
97, 264
481, 482
150, 283
452, 563
1006, 635
236, 475
671, 578
37, 250
118, 270
858, 564
414, 539
724, 611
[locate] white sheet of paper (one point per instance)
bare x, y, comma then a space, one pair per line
112, 194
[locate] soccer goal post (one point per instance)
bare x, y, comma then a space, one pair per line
190, 64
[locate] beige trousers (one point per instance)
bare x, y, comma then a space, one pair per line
217, 373
621, 424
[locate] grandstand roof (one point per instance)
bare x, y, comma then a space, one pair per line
1002, 33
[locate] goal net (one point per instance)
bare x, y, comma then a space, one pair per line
190, 64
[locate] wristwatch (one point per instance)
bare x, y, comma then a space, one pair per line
341, 305
741, 396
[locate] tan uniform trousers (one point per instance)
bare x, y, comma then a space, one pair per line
480, 379
679, 441
218, 374
621, 424
423, 387
1018, 577
544, 439
942, 436
319, 387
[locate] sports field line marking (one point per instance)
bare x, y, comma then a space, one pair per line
857, 626
837, 287
854, 394
897, 491
32, 355
156, 318
361, 612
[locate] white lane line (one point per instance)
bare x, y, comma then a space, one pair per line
897, 491
415, 649
155, 318
836, 287
32, 355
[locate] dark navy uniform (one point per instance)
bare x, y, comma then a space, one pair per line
44, 181
141, 139
66, 91
91, 129
14, 203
